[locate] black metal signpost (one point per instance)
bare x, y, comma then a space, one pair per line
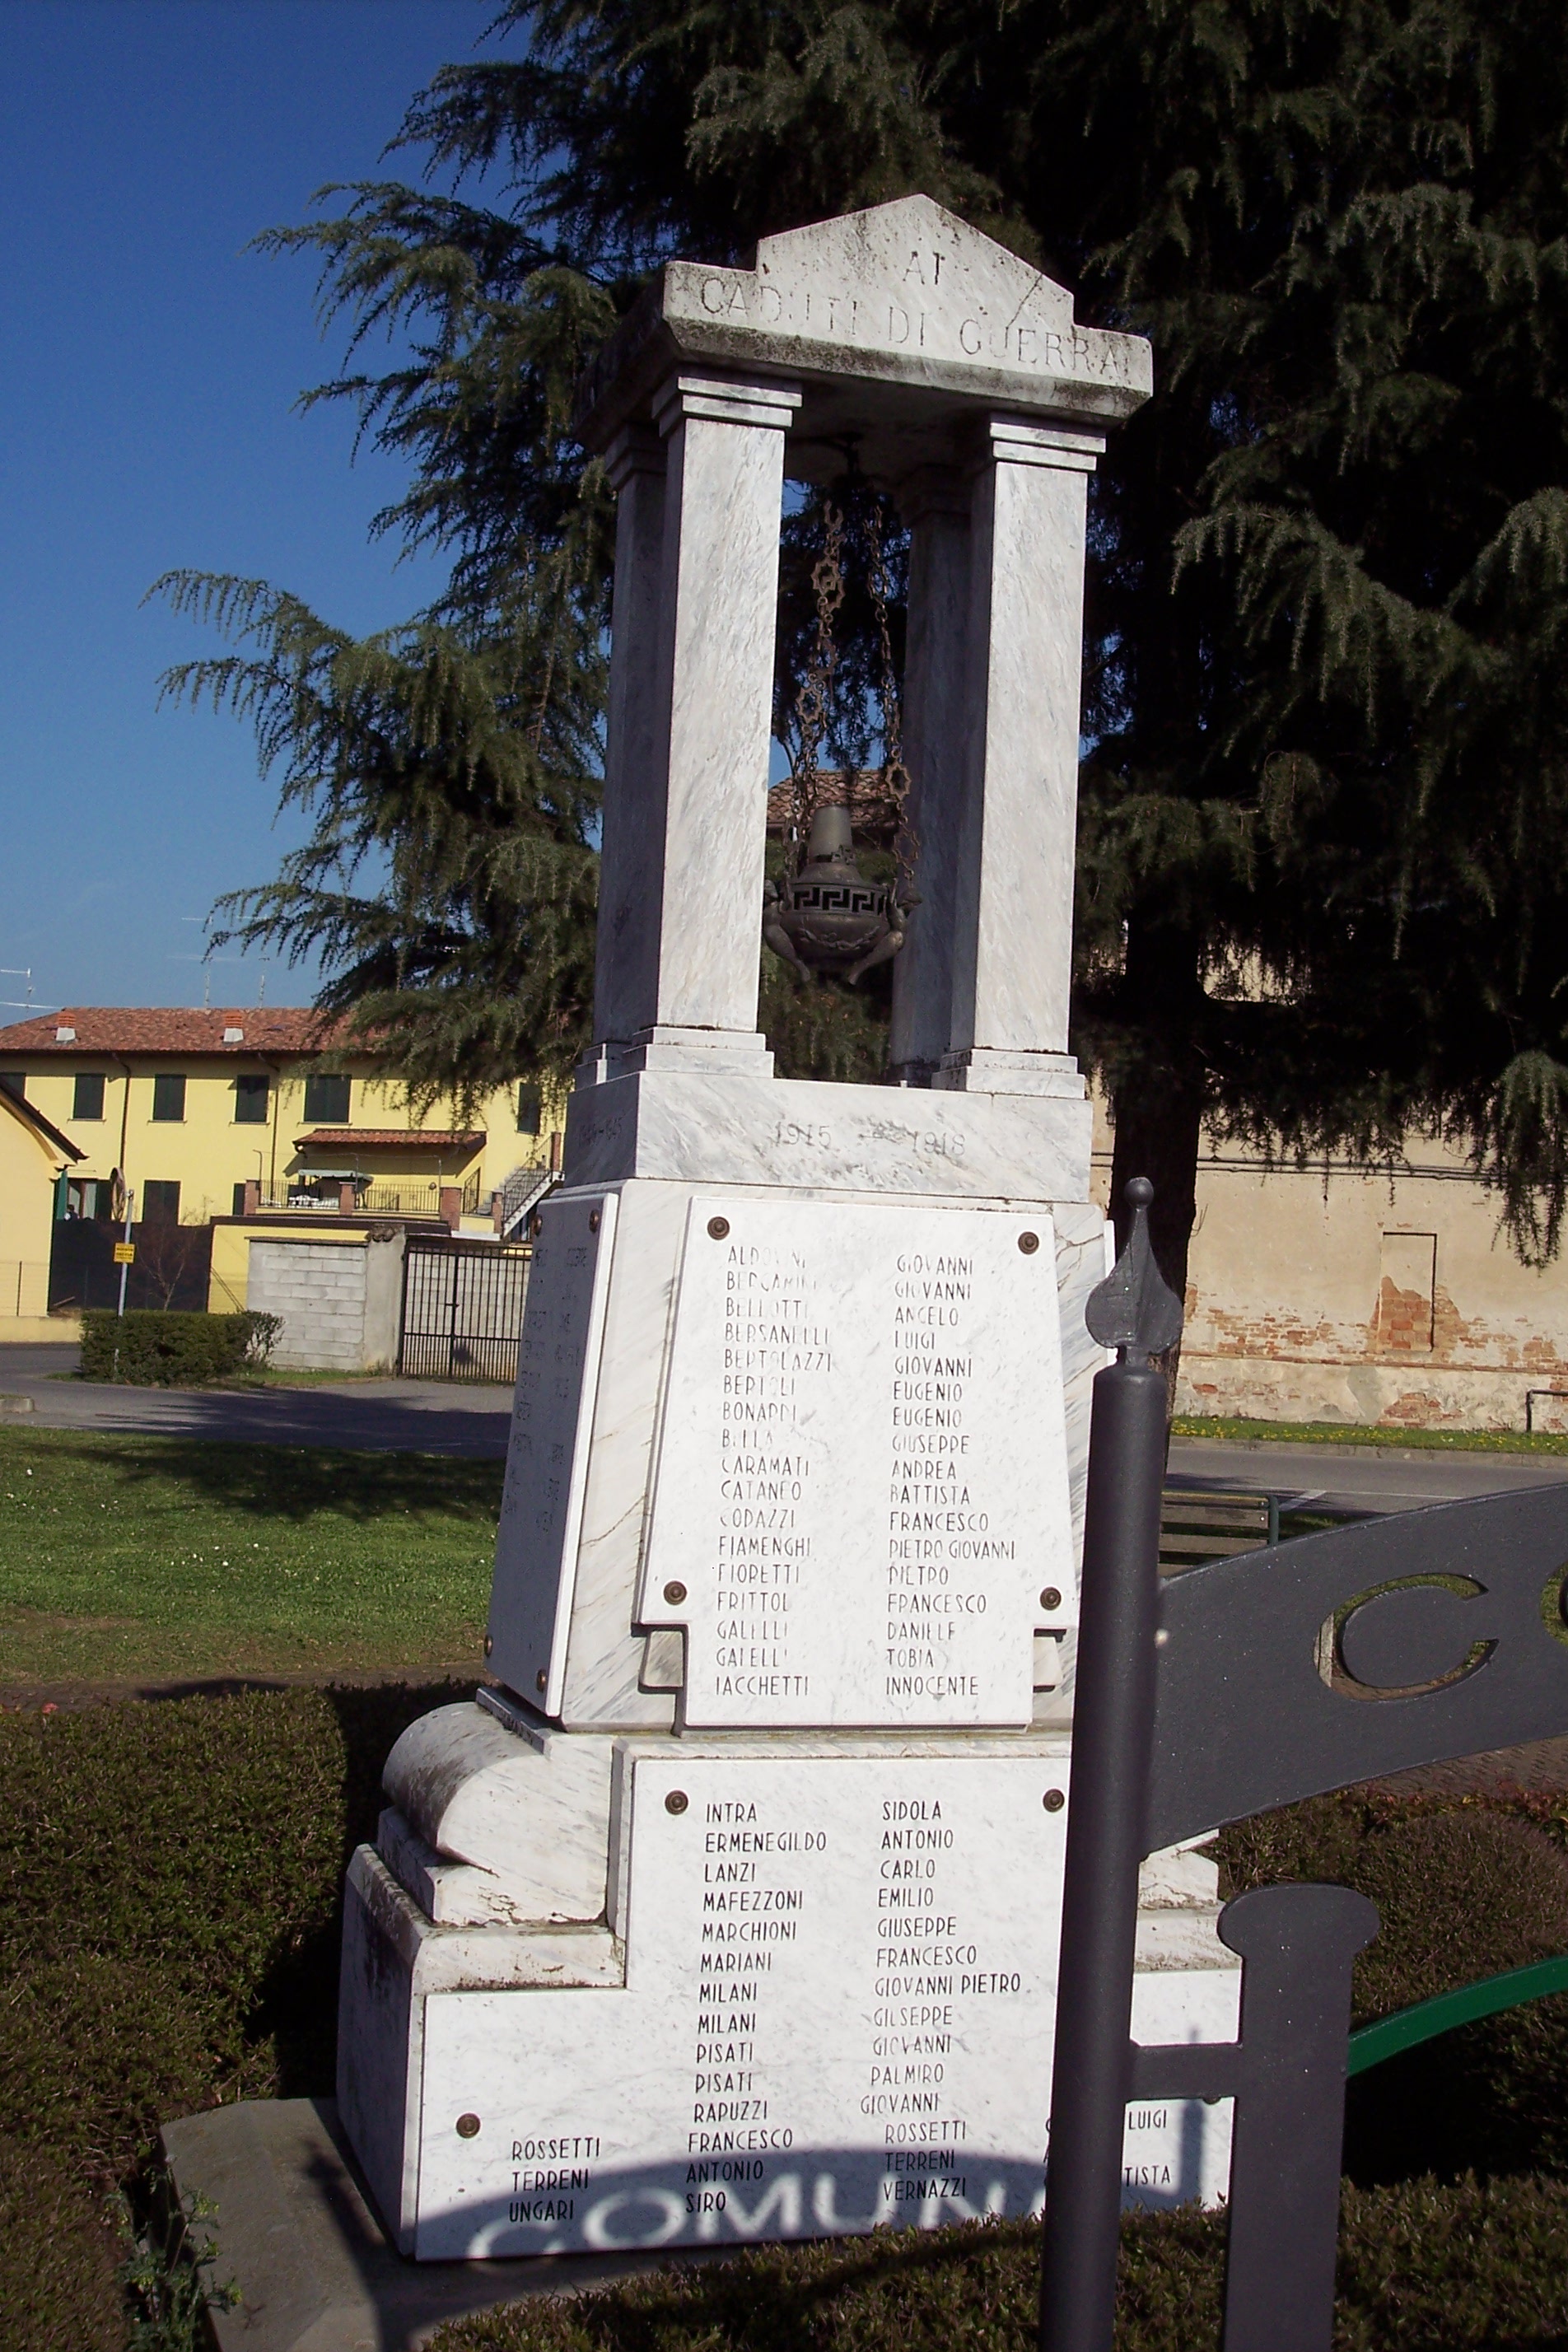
1249, 1683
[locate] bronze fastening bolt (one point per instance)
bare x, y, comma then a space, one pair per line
718, 1227
676, 1801
1029, 1243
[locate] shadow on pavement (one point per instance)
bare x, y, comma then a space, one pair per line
292, 1417
280, 1478
371, 1416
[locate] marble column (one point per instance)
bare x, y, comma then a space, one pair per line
687, 992
935, 503
1014, 888
626, 959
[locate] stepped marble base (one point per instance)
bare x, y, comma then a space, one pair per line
646, 1954
812, 2003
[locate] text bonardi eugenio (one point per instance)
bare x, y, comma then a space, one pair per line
792, 1343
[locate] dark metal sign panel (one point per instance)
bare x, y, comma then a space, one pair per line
1344, 1656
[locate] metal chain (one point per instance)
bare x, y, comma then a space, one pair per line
816, 687
895, 775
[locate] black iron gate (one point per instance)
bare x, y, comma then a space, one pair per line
462, 1309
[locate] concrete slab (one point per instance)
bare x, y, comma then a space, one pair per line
299, 2237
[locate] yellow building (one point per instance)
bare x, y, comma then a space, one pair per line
34, 1162
217, 1114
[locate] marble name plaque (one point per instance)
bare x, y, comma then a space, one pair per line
547, 1452
860, 1512
838, 2016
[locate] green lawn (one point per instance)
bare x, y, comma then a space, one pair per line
162, 1559
1342, 1432
1422, 2267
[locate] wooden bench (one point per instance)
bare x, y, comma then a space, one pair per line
1196, 1526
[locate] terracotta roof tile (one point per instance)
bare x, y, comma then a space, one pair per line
151, 1029
431, 1138
872, 810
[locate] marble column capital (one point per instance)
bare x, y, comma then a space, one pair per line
725, 400
1013, 441
636, 450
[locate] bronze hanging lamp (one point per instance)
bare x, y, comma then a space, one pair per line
826, 917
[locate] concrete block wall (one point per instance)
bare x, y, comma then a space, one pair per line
320, 1291
384, 1255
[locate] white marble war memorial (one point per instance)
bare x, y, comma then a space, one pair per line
733, 1913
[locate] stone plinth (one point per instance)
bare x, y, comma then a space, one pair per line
301, 2241
818, 1998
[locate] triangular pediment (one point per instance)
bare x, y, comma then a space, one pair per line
916, 255
903, 295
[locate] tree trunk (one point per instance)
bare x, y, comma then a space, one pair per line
1157, 1101
1158, 1137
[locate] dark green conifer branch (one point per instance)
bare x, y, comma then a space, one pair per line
1324, 816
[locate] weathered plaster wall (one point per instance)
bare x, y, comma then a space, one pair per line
1335, 1294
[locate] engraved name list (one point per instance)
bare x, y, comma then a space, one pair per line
858, 1504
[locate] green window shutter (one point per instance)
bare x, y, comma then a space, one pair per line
326, 1099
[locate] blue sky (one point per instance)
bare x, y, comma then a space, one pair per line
147, 421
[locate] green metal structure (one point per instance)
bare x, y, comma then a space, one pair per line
1371, 2044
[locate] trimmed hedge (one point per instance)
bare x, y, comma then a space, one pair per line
170, 1891
58, 2257
153, 1350
170, 1888
1464, 1892
1474, 2268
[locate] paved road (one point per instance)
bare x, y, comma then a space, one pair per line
1355, 1478
446, 1417
363, 1416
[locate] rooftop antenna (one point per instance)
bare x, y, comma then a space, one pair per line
206, 962
204, 959
22, 1003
